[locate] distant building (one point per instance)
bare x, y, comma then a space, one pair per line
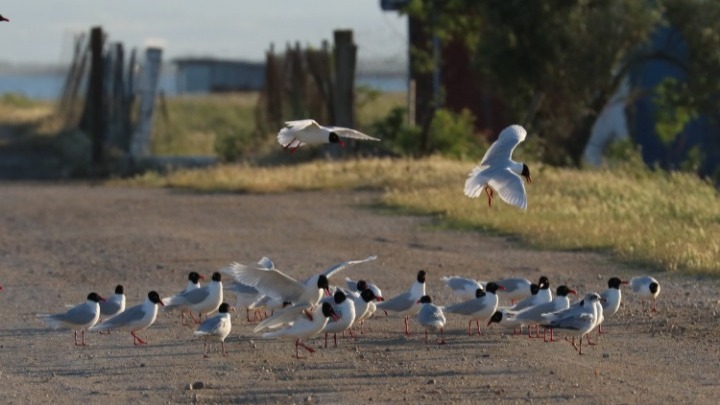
209, 75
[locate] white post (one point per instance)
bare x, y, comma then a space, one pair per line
147, 89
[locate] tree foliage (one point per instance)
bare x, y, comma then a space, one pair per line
573, 53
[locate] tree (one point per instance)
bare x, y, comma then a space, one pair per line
572, 54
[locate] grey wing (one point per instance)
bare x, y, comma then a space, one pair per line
287, 136
571, 322
286, 315
191, 297
502, 148
468, 307
240, 288
269, 282
266, 263
431, 314
352, 284
78, 315
399, 303
534, 313
351, 134
340, 266
461, 283
509, 186
109, 307
212, 325
513, 284
127, 317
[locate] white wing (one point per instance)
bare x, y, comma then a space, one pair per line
341, 266
269, 282
501, 150
351, 134
510, 187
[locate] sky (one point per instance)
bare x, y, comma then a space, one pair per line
41, 31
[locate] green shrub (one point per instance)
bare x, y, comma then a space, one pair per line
230, 145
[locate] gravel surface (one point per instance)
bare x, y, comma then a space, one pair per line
60, 242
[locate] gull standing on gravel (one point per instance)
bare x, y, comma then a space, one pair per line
515, 289
431, 318
305, 325
79, 318
114, 304
647, 288
345, 309
406, 304
534, 314
204, 300
134, 318
497, 171
578, 319
613, 298
463, 287
361, 285
215, 328
192, 284
308, 132
364, 306
479, 308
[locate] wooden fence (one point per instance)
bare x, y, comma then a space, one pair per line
98, 95
309, 83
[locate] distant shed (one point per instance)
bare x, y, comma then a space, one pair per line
209, 75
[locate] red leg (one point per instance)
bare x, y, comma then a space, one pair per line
407, 326
299, 343
442, 336
426, 339
654, 307
477, 321
326, 340
222, 348
470, 326
205, 349
136, 340
580, 350
587, 337
335, 339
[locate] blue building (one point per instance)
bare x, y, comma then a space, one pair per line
209, 75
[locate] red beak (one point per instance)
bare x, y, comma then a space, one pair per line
102, 299
572, 292
5, 19
501, 288
161, 303
624, 282
336, 317
341, 143
202, 277
376, 298
327, 292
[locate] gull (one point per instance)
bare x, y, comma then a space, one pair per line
612, 297
431, 317
276, 284
463, 287
79, 318
534, 314
479, 308
305, 325
345, 309
364, 305
361, 285
134, 318
515, 288
579, 319
192, 284
647, 288
497, 171
114, 304
215, 328
204, 300
406, 304
308, 132
249, 296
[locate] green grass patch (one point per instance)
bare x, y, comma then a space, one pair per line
670, 221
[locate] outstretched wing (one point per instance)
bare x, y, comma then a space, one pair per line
341, 266
510, 187
269, 282
351, 134
298, 133
502, 148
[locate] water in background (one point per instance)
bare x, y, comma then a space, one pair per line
47, 86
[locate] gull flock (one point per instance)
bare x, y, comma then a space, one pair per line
285, 307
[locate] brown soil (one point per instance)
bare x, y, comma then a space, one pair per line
59, 242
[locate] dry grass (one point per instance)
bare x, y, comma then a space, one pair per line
669, 221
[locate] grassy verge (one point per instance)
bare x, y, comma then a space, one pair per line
670, 221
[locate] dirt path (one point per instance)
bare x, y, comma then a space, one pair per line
59, 242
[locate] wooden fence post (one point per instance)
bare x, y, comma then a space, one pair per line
140, 142
94, 103
345, 56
